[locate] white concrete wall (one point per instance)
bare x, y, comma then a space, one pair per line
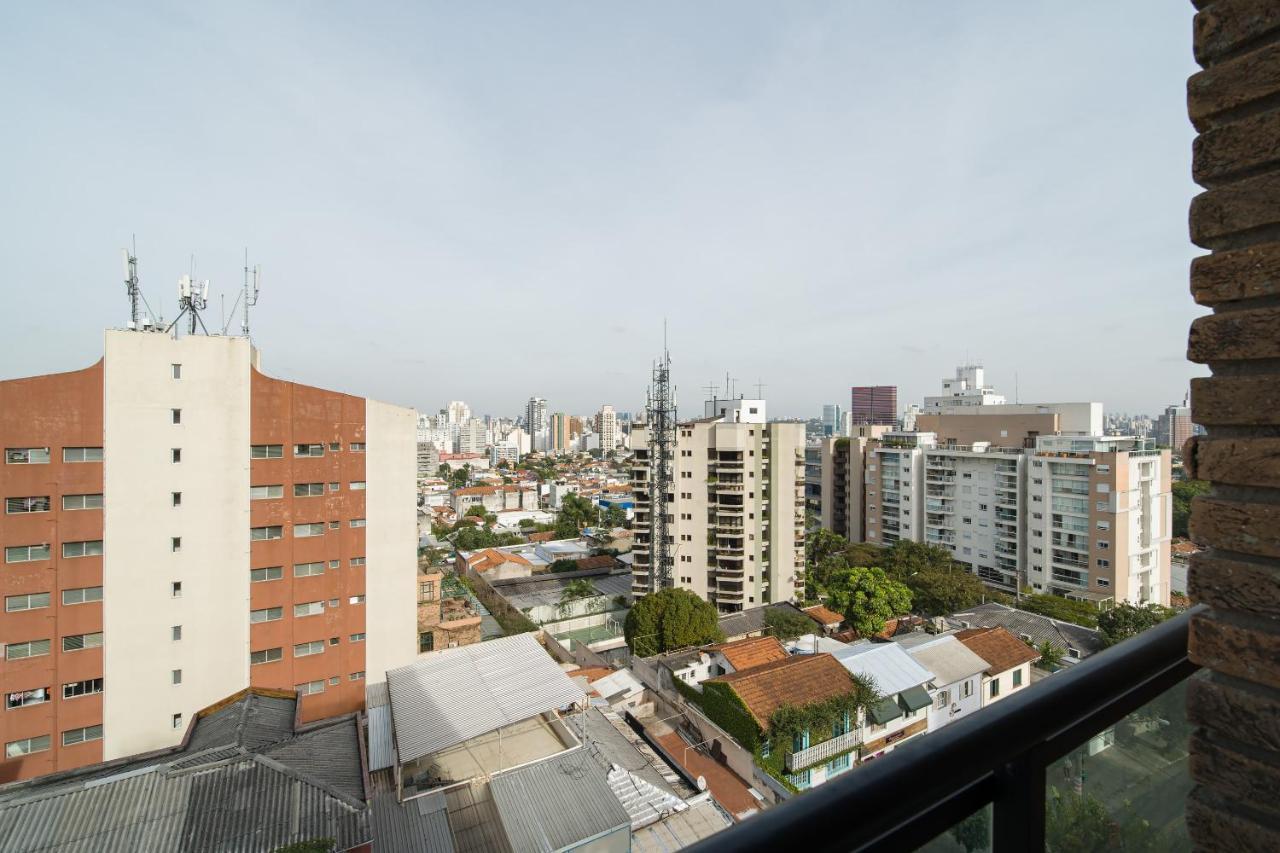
139, 519
392, 537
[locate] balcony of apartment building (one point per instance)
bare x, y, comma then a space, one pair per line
1005, 514
936, 535
1006, 530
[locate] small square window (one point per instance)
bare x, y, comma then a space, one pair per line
334, 525
175, 543
177, 371
177, 498
175, 589
334, 680
333, 641
177, 721
333, 487
177, 454
177, 676
335, 446
333, 564
176, 414
333, 602
176, 632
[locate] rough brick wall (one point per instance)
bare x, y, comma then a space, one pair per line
1234, 103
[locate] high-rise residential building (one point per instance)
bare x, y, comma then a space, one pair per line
1083, 516
560, 435
840, 476
1009, 424
966, 388
736, 507
607, 426
535, 423
832, 419
1175, 427
180, 526
873, 404
471, 436
457, 412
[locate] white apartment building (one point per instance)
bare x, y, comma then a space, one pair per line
966, 388
607, 427
537, 423
736, 507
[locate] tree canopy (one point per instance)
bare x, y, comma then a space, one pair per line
670, 619
786, 624
476, 510
576, 512
469, 537
1183, 492
577, 588
1127, 620
868, 598
564, 564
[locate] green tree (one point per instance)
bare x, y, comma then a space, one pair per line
576, 512
974, 832
564, 565
1050, 655
577, 588
1127, 620
787, 624
476, 510
868, 598
1062, 609
1183, 492
1077, 823
615, 516
670, 619
937, 593
443, 471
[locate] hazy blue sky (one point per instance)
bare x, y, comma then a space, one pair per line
487, 201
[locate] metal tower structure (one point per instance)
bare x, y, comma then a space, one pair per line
131, 286
660, 411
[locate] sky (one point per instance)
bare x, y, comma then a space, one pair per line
491, 201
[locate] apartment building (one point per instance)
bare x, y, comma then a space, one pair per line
967, 388
735, 507
840, 477
607, 426
1010, 424
873, 404
180, 526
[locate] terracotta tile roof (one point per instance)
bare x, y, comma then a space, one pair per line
600, 561
477, 490
799, 680
487, 559
823, 615
997, 647
545, 536
590, 673
1184, 548
752, 652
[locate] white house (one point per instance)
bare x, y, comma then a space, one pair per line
956, 688
1008, 661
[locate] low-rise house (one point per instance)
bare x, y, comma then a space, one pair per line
901, 713
494, 498
1076, 642
695, 666
827, 619
495, 564
443, 622
1008, 661
956, 688
543, 597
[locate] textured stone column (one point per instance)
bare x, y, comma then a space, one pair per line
1234, 103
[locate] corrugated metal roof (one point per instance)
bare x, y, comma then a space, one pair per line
892, 669
948, 659
701, 820
418, 826
382, 750
328, 755
557, 803
375, 695
474, 819
251, 721
448, 697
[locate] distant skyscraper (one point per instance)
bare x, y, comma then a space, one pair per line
607, 426
457, 411
535, 422
832, 419
1175, 426
874, 404
560, 437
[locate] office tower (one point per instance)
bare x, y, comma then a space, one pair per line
832, 419
736, 507
874, 404
607, 426
180, 526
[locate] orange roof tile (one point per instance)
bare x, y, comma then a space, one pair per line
590, 673
997, 647
752, 652
799, 680
822, 615
489, 558
545, 536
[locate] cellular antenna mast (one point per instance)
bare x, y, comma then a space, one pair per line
660, 412
131, 286
193, 297
250, 298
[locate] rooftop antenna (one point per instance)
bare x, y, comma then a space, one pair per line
760, 386
711, 388
193, 297
660, 412
250, 300
131, 283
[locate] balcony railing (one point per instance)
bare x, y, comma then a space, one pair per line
1012, 759
824, 751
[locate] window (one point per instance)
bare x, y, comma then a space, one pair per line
427, 590
26, 746
82, 454
356, 599
356, 447
26, 553
304, 490
1103, 582
175, 544
334, 679
333, 602
267, 614
82, 595
356, 638
1074, 654
335, 446
357, 676
1103, 544
83, 735
1104, 564
301, 650
357, 485
266, 656
1104, 525
1103, 469
177, 498
175, 589
175, 633
333, 641
334, 525
266, 451
333, 564
357, 561
302, 531
77, 642
23, 698
995, 687
1100, 506
270, 573
177, 371
176, 454
308, 450
271, 532
30, 601
176, 676
81, 502
1104, 488
333, 487
176, 414
308, 608
1017, 677
306, 570
310, 687
176, 721
21, 506
968, 689
357, 522
26, 456
92, 548
88, 687
262, 493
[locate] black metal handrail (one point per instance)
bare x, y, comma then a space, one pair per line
998, 756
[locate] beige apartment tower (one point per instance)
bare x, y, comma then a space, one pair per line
735, 506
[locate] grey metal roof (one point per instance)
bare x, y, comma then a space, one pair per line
474, 819
246, 804
892, 669
328, 755
701, 820
948, 659
382, 750
375, 695
544, 590
1039, 628
251, 721
445, 698
750, 621
419, 826
557, 803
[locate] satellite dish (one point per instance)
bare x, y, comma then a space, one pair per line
702, 783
